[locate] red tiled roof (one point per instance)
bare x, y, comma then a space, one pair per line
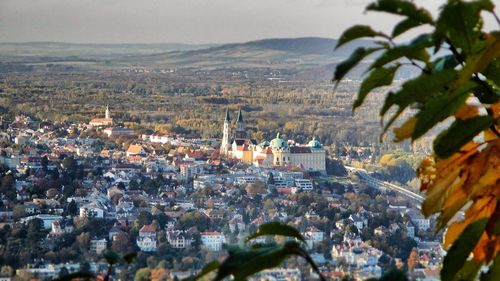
147, 228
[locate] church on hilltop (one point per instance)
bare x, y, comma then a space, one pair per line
106, 121
277, 152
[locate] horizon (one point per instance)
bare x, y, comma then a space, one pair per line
187, 21
165, 43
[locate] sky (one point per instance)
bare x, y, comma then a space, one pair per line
185, 21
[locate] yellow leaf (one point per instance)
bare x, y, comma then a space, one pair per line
437, 193
481, 208
406, 130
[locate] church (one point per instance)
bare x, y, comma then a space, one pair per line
277, 152
106, 121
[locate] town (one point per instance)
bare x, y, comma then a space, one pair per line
72, 191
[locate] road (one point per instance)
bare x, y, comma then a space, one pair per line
383, 185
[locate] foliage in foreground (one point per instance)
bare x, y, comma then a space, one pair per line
245, 260
460, 85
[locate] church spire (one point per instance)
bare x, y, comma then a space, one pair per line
240, 116
107, 115
227, 116
240, 127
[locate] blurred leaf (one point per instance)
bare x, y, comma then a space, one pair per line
243, 262
460, 133
492, 71
468, 271
378, 77
129, 258
461, 22
404, 26
406, 130
111, 257
344, 67
419, 89
355, 32
446, 62
461, 249
439, 108
486, 96
415, 50
75, 275
493, 273
403, 8
276, 228
209, 267
394, 275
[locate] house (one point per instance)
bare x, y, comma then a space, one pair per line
179, 239
418, 220
97, 246
213, 240
358, 221
304, 184
147, 238
135, 149
91, 210
60, 227
31, 208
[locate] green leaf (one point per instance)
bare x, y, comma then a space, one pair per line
111, 257
461, 249
378, 77
493, 273
414, 50
404, 26
461, 22
439, 108
129, 258
355, 32
460, 133
344, 67
446, 62
209, 267
486, 96
419, 89
403, 8
243, 262
492, 72
276, 228
468, 271
75, 275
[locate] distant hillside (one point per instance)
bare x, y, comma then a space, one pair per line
289, 53
90, 51
308, 57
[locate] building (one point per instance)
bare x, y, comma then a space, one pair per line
118, 131
97, 246
277, 152
147, 239
135, 149
106, 121
213, 241
179, 239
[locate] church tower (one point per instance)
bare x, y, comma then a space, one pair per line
240, 127
225, 145
107, 115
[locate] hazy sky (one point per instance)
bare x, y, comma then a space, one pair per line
184, 21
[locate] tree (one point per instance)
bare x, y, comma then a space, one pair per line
464, 170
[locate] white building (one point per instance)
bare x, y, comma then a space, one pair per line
213, 240
147, 239
97, 246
